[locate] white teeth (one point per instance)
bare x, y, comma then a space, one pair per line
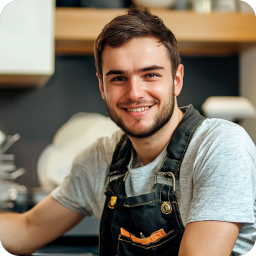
137, 109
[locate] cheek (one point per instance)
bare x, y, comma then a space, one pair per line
159, 91
113, 95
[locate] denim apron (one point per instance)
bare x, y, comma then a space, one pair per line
148, 224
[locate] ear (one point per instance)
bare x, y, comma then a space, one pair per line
101, 86
178, 80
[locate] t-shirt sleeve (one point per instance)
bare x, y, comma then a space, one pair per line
224, 178
83, 189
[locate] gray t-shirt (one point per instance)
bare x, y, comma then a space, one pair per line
217, 178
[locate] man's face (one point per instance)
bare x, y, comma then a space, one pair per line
138, 86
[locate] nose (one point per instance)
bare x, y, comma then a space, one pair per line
135, 89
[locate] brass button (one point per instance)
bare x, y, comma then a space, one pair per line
112, 202
166, 208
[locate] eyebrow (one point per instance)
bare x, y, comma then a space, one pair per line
115, 72
121, 72
153, 67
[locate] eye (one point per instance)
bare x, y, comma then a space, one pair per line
118, 79
150, 75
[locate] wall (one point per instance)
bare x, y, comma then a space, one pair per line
248, 86
38, 113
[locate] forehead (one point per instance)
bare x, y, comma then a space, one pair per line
136, 53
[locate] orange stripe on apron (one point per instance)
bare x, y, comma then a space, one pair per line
152, 238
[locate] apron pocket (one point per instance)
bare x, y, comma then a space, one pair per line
154, 245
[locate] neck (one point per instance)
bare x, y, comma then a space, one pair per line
149, 148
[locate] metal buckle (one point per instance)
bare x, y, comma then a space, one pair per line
166, 208
112, 202
167, 174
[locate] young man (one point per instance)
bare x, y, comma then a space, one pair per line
175, 183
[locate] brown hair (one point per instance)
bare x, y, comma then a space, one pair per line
138, 22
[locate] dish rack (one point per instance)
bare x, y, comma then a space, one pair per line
9, 189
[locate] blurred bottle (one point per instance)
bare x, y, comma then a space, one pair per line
202, 6
182, 5
155, 4
225, 5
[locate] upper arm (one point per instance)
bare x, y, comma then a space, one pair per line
212, 238
47, 221
219, 202
222, 170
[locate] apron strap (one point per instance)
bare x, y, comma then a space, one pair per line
181, 138
176, 148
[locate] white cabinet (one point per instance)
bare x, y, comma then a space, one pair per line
27, 43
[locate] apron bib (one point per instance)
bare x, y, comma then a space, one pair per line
148, 224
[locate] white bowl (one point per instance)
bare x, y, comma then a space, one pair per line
155, 3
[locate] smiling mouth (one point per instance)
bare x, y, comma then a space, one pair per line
137, 109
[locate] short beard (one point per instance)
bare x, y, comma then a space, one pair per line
159, 122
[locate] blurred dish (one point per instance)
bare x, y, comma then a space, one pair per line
42, 166
231, 108
83, 129
2, 137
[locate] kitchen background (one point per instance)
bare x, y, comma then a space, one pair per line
37, 113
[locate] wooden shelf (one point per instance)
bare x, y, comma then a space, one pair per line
198, 34
23, 81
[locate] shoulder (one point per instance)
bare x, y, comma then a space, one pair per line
221, 162
223, 136
213, 127
84, 187
220, 147
101, 151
